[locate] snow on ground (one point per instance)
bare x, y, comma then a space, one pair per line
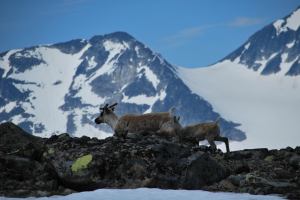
153, 194
59, 66
268, 107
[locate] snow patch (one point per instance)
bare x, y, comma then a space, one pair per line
28, 54
8, 107
293, 22
285, 66
265, 61
144, 99
137, 50
278, 26
78, 82
140, 99
291, 44
114, 49
154, 194
150, 75
4, 62
91, 63
245, 49
247, 45
84, 91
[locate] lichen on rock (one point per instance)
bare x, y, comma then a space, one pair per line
81, 163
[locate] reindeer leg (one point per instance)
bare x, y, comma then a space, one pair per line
212, 144
225, 140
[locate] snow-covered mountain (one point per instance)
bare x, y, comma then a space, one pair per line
258, 85
57, 88
274, 49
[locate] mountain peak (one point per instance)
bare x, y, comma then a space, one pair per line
116, 36
290, 22
274, 49
120, 35
79, 75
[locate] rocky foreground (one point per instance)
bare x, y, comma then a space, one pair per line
32, 166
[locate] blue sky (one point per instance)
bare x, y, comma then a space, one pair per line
189, 33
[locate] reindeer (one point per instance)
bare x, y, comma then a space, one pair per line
198, 132
162, 123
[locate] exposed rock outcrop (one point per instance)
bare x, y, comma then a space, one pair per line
32, 166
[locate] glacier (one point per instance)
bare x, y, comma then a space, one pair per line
268, 107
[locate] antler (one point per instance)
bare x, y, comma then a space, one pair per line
113, 105
108, 107
104, 108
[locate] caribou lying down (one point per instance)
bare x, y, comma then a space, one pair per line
159, 123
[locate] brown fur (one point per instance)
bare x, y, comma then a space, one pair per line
204, 131
151, 123
162, 123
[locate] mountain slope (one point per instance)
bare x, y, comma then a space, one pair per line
56, 88
274, 49
258, 85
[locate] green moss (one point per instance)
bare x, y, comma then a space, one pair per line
81, 163
50, 151
269, 158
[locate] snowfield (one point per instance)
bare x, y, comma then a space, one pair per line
268, 107
153, 194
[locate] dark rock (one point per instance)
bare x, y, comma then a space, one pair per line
32, 166
297, 150
14, 139
236, 179
242, 167
295, 161
202, 170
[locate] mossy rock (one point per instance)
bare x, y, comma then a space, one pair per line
269, 158
51, 151
81, 163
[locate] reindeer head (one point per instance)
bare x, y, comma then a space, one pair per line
106, 114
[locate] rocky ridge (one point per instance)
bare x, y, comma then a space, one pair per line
33, 166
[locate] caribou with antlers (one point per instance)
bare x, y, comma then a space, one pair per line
163, 123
